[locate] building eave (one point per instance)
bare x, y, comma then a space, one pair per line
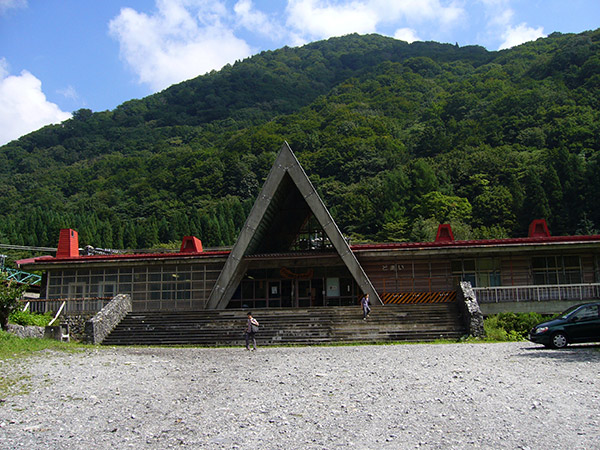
489, 247
46, 263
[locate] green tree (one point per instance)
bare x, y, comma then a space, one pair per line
395, 227
10, 293
493, 208
535, 204
444, 208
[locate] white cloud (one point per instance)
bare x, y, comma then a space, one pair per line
500, 18
444, 13
183, 39
69, 92
23, 106
186, 38
5, 5
325, 19
254, 20
406, 34
321, 19
520, 34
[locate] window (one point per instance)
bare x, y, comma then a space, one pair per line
482, 272
311, 237
556, 270
588, 313
76, 290
333, 287
107, 289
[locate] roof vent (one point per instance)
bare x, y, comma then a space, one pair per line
444, 233
539, 228
68, 244
191, 244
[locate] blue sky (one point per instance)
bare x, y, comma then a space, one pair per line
57, 56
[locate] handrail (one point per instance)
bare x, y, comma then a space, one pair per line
58, 313
65, 299
546, 292
71, 305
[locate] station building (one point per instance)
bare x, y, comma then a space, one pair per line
290, 253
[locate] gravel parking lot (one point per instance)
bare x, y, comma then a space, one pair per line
510, 395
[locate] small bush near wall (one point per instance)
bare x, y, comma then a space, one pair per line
511, 326
27, 318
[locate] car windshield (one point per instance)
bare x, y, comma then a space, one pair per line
566, 313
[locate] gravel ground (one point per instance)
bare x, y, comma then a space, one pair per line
510, 395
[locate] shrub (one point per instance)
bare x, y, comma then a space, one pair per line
10, 292
511, 326
27, 318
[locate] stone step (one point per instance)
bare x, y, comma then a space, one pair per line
421, 322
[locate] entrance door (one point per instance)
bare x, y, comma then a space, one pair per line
304, 293
316, 290
287, 293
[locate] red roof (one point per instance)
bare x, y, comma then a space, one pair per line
355, 247
123, 256
477, 242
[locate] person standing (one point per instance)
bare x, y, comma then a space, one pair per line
364, 302
251, 330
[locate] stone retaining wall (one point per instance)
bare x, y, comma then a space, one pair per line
471, 310
26, 332
76, 325
100, 326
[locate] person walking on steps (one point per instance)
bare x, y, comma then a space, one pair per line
251, 330
364, 302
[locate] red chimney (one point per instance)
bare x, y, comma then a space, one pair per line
68, 244
539, 228
444, 233
191, 244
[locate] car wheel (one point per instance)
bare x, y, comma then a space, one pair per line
559, 340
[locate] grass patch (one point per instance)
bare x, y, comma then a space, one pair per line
14, 385
16, 382
12, 346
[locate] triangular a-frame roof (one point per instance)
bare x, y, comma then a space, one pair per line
262, 230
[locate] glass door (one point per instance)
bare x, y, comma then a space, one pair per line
305, 298
287, 293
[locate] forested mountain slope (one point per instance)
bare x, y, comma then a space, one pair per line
396, 137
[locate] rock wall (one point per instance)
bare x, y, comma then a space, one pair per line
26, 332
76, 325
471, 310
99, 326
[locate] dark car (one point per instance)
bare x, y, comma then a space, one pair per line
579, 323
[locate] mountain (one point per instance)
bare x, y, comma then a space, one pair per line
397, 138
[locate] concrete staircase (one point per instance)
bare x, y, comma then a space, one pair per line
284, 326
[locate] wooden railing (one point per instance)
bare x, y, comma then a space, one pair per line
72, 305
540, 293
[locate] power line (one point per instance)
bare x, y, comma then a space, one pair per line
26, 247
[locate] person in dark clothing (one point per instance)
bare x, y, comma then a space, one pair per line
251, 329
364, 302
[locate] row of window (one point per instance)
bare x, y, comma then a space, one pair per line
269, 288
181, 282
485, 272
